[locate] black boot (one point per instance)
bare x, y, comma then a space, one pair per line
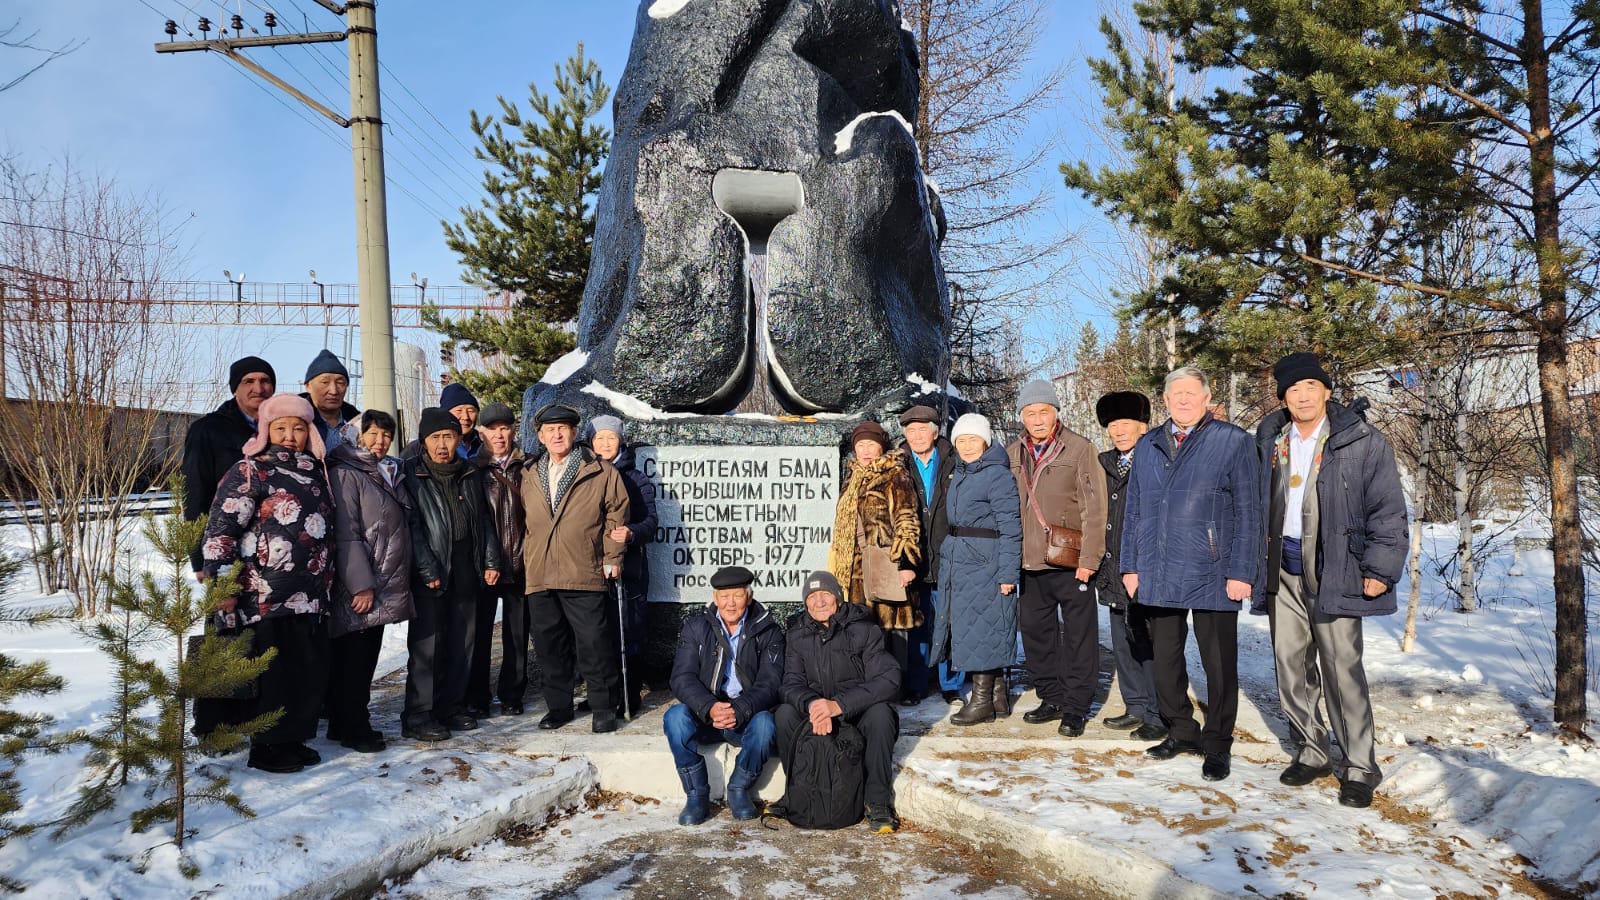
697, 808
741, 803
1002, 696
981, 708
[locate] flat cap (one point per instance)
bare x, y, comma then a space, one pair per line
497, 414
919, 414
556, 414
732, 577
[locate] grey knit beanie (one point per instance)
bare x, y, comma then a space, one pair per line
1037, 391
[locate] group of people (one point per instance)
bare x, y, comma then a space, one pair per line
330, 538
954, 549
947, 552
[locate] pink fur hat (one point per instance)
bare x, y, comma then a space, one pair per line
284, 406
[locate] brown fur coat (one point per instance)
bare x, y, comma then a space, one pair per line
879, 501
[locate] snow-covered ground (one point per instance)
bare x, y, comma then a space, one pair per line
1482, 796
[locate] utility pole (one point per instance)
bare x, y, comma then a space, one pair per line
366, 146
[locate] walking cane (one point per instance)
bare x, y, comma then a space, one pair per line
622, 645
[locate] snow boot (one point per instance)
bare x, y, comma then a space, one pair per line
981, 708
1002, 696
739, 801
697, 786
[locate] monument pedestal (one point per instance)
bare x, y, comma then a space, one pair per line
734, 491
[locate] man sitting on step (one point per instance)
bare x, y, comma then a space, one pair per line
726, 677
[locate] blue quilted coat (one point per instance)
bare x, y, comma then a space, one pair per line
975, 625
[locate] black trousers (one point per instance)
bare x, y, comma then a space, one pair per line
352, 663
440, 641
514, 639
576, 631
1217, 634
880, 726
1060, 624
513, 605
296, 679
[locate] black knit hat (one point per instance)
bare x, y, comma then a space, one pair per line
325, 363
247, 366
435, 419
1122, 405
1297, 367
456, 394
822, 580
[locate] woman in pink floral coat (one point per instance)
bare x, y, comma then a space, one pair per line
273, 514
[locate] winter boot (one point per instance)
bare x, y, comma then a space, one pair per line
981, 708
1002, 695
697, 786
739, 799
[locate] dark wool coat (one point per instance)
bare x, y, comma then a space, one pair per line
931, 510
372, 542
430, 525
214, 443
642, 524
702, 657
974, 624
843, 660
503, 485
878, 505
1108, 577
1361, 514
274, 513
1193, 519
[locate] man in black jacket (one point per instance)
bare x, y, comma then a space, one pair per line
216, 441
836, 667
930, 460
455, 552
1336, 543
1125, 415
502, 461
726, 677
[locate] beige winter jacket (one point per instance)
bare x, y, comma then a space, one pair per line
568, 549
1070, 491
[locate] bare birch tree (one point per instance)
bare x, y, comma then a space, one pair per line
84, 373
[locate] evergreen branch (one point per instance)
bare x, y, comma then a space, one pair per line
1475, 33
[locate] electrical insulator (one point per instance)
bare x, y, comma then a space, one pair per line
205, 25
172, 28
238, 24
272, 20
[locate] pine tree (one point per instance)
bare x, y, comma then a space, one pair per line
22, 733
1301, 195
164, 606
532, 234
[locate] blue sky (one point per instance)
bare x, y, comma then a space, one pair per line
264, 185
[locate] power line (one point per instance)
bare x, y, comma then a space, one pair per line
390, 72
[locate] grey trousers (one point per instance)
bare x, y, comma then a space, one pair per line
1318, 657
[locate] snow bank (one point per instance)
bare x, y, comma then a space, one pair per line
666, 9
847, 134
629, 405
562, 369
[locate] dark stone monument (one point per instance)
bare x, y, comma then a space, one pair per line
765, 274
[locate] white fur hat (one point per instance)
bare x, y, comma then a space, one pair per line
972, 423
